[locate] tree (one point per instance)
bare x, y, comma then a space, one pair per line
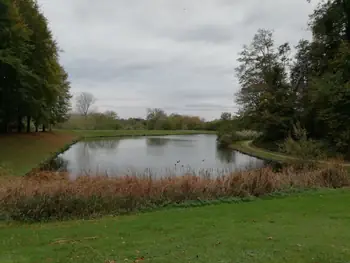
84, 102
266, 97
31, 83
156, 118
226, 116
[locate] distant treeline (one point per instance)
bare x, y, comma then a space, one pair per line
156, 119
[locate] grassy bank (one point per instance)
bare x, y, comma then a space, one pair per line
305, 228
119, 133
247, 147
19, 153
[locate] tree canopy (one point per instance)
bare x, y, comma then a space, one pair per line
33, 84
311, 89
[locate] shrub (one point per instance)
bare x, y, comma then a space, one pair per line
227, 137
308, 152
52, 196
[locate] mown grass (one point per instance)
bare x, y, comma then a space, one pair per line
19, 153
247, 147
46, 196
304, 228
118, 133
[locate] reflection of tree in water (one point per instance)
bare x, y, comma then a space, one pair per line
102, 144
83, 156
156, 141
56, 164
226, 155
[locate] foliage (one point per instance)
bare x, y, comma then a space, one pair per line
312, 88
45, 196
156, 119
229, 130
32, 83
307, 151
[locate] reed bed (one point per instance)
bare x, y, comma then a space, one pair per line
46, 196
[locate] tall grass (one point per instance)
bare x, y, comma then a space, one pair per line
51, 196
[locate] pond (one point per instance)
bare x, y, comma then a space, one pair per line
154, 155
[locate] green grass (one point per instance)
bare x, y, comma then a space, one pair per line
117, 133
311, 227
20, 153
248, 148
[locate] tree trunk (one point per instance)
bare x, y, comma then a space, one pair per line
44, 128
28, 123
19, 124
4, 126
36, 127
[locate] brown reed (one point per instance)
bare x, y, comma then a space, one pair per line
52, 196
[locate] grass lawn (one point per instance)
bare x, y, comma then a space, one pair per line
19, 153
312, 227
248, 148
115, 133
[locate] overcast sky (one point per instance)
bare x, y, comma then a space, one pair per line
178, 55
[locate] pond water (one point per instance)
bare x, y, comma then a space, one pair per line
154, 155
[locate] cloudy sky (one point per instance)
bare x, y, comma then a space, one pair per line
177, 55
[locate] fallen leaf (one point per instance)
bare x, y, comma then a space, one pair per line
269, 238
139, 259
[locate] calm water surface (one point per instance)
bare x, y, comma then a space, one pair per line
156, 155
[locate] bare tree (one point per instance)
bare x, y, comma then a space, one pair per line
84, 102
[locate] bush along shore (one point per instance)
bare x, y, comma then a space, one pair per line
52, 196
47, 164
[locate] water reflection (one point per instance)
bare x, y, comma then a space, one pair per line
154, 142
102, 143
225, 155
158, 156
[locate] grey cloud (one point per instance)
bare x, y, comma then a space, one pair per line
207, 33
176, 55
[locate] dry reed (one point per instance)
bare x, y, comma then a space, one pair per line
52, 196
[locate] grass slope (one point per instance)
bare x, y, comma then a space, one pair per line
248, 148
310, 227
19, 153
